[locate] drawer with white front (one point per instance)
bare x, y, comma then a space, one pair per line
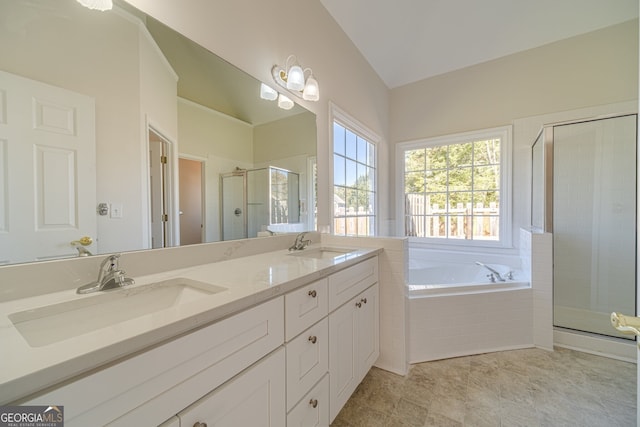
313, 409
307, 361
349, 282
304, 307
154, 385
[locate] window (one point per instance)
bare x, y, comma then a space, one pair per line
354, 181
456, 188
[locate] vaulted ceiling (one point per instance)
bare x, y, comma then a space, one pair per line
410, 40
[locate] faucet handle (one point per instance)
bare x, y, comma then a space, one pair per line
113, 262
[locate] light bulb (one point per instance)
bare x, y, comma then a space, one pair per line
284, 102
267, 93
311, 90
295, 78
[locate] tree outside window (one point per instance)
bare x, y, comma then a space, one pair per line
453, 189
354, 183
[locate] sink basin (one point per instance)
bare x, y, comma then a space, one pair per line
49, 324
321, 253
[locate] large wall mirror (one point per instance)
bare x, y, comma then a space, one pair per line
116, 128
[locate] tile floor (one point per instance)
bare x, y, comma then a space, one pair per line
530, 387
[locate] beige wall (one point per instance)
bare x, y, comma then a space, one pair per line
254, 35
595, 69
205, 135
287, 137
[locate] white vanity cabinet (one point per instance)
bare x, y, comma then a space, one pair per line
307, 347
153, 386
327, 361
353, 330
254, 398
291, 361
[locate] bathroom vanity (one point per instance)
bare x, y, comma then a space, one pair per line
223, 346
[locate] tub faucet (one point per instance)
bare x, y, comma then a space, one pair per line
109, 277
494, 273
299, 244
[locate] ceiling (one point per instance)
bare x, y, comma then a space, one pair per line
409, 40
209, 80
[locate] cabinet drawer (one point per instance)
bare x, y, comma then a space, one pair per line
254, 398
307, 361
152, 386
348, 283
313, 409
304, 307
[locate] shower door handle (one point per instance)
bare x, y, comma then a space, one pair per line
626, 324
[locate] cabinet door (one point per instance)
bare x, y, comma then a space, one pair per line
367, 330
343, 344
254, 398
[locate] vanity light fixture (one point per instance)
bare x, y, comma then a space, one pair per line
292, 78
101, 5
284, 102
267, 92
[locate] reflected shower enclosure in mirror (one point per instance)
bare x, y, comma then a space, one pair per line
257, 200
96, 109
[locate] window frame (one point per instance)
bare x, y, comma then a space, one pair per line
339, 116
506, 162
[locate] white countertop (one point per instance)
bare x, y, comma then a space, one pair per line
26, 369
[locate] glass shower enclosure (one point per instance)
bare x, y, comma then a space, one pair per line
584, 192
252, 200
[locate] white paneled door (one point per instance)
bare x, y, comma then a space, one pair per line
47, 170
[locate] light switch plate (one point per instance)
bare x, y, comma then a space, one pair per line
116, 210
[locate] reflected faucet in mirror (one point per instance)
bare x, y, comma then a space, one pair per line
109, 277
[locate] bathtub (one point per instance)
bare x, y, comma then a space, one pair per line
449, 278
455, 310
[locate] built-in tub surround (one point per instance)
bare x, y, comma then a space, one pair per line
471, 315
238, 282
448, 278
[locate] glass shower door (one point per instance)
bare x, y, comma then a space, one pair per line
233, 205
594, 222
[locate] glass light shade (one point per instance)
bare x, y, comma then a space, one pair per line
284, 102
295, 78
101, 5
311, 90
267, 93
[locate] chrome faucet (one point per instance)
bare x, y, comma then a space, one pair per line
109, 277
299, 244
494, 273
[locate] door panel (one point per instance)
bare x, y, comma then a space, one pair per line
190, 182
52, 130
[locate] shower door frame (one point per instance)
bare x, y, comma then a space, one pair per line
546, 137
237, 173
547, 155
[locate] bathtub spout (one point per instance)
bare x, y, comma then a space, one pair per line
493, 272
